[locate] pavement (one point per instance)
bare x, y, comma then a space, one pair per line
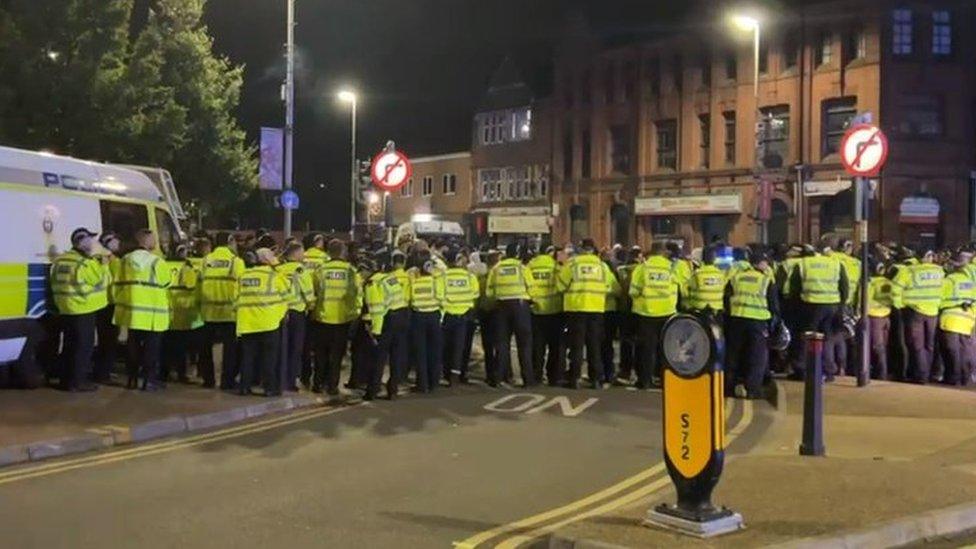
900, 468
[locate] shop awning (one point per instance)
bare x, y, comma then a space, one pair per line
825, 188
518, 224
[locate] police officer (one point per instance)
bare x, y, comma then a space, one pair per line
382, 291
879, 312
339, 300
262, 302
461, 291
654, 289
507, 284
300, 300
218, 293
957, 318
108, 333
79, 282
185, 320
752, 303
485, 311
426, 307
585, 281
917, 292
394, 338
399, 347
315, 255
611, 316
819, 285
903, 258
706, 287
628, 320
142, 307
548, 349
852, 268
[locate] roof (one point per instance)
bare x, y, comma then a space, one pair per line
438, 157
48, 170
506, 89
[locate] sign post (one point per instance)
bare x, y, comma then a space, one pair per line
863, 152
694, 428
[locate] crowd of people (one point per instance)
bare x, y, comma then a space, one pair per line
287, 313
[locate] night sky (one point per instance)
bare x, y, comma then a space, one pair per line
420, 67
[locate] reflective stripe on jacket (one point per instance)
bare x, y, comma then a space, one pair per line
79, 283
218, 285
141, 293
262, 300
749, 291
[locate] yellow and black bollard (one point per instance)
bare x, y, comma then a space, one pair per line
694, 427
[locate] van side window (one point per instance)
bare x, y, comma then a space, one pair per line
166, 229
124, 219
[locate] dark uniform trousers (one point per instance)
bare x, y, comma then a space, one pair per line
143, 349
879, 327
178, 347
455, 328
260, 351
920, 335
394, 327
76, 355
585, 329
954, 350
512, 316
611, 329
815, 318
628, 345
400, 346
108, 342
331, 341
835, 347
224, 333
898, 347
360, 355
548, 348
428, 345
747, 354
486, 325
650, 363
294, 346
308, 357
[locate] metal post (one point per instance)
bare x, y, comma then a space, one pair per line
763, 224
289, 106
798, 203
353, 186
812, 444
864, 372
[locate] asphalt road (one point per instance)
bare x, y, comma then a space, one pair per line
424, 471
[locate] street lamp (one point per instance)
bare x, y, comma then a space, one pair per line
749, 23
350, 97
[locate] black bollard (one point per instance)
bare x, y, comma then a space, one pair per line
812, 444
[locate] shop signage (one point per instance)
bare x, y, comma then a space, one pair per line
919, 210
689, 204
825, 188
518, 224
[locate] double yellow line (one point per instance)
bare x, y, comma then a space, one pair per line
626, 492
42, 470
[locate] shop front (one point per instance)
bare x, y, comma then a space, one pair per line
695, 220
918, 222
829, 208
506, 225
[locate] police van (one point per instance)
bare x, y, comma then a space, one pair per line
43, 198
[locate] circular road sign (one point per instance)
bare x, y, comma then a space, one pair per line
289, 200
864, 150
390, 170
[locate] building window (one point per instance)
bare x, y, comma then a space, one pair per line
567, 152
704, 139
706, 71
729, 118
855, 45
505, 126
667, 144
825, 52
941, 33
449, 183
490, 181
763, 56
731, 66
653, 68
791, 52
578, 224
776, 136
619, 152
630, 80
677, 72
902, 31
406, 191
921, 116
662, 225
585, 154
586, 88
428, 186
610, 83
522, 128
837, 116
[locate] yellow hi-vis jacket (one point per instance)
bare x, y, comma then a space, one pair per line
706, 288
749, 291
585, 281
218, 285
427, 293
262, 300
384, 294
852, 267
403, 277
314, 258
79, 283
114, 268
820, 279
461, 291
542, 285
508, 280
184, 296
338, 293
142, 298
957, 289
654, 288
301, 295
879, 297
918, 287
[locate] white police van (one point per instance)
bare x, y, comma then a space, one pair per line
43, 198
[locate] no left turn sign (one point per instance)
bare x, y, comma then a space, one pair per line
864, 150
390, 170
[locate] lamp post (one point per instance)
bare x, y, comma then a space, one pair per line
347, 96
751, 24
289, 93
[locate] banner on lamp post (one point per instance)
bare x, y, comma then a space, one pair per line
271, 170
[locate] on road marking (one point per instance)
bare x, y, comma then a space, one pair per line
531, 403
621, 493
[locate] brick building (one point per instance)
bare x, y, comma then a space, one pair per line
439, 188
658, 138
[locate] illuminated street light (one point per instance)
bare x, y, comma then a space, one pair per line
350, 97
346, 96
745, 23
748, 23
373, 197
